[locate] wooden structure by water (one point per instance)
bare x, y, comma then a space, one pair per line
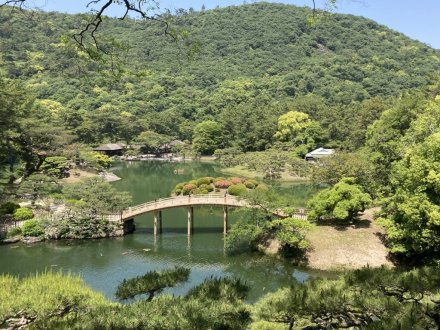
156, 207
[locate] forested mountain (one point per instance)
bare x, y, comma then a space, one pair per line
241, 66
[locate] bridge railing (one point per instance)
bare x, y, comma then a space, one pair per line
179, 199
194, 200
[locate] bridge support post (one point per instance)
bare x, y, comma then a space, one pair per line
190, 220
155, 224
160, 222
225, 220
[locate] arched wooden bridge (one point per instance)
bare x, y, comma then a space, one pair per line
158, 205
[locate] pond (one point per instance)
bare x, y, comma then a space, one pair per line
104, 263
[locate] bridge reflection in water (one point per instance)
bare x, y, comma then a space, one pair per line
190, 201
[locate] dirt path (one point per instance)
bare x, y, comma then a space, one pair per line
336, 247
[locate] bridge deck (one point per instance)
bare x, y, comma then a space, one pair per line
188, 201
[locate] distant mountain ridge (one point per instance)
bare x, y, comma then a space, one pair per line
257, 55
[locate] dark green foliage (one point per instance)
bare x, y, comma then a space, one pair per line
218, 289
55, 166
151, 283
94, 196
16, 231
370, 298
76, 226
38, 186
338, 72
8, 208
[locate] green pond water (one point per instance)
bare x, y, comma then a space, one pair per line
104, 263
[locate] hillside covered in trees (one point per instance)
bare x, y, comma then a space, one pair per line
241, 67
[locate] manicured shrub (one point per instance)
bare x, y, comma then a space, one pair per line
217, 189
222, 184
209, 188
204, 191
177, 192
8, 208
262, 187
249, 185
197, 191
179, 186
188, 188
14, 232
255, 182
218, 179
236, 180
193, 182
23, 213
32, 228
237, 189
202, 181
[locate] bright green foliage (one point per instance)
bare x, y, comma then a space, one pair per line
94, 196
96, 160
33, 228
385, 136
206, 181
412, 213
23, 213
291, 125
55, 166
342, 202
151, 283
207, 137
237, 189
47, 298
8, 208
298, 131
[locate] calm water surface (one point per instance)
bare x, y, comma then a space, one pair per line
106, 262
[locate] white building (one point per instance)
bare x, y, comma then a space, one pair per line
319, 153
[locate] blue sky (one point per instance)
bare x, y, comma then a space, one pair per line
417, 19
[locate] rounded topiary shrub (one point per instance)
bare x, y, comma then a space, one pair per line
255, 182
177, 192
218, 179
222, 184
193, 182
204, 191
32, 228
249, 185
203, 181
209, 188
197, 191
262, 187
179, 186
237, 189
23, 213
188, 188
236, 180
8, 208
